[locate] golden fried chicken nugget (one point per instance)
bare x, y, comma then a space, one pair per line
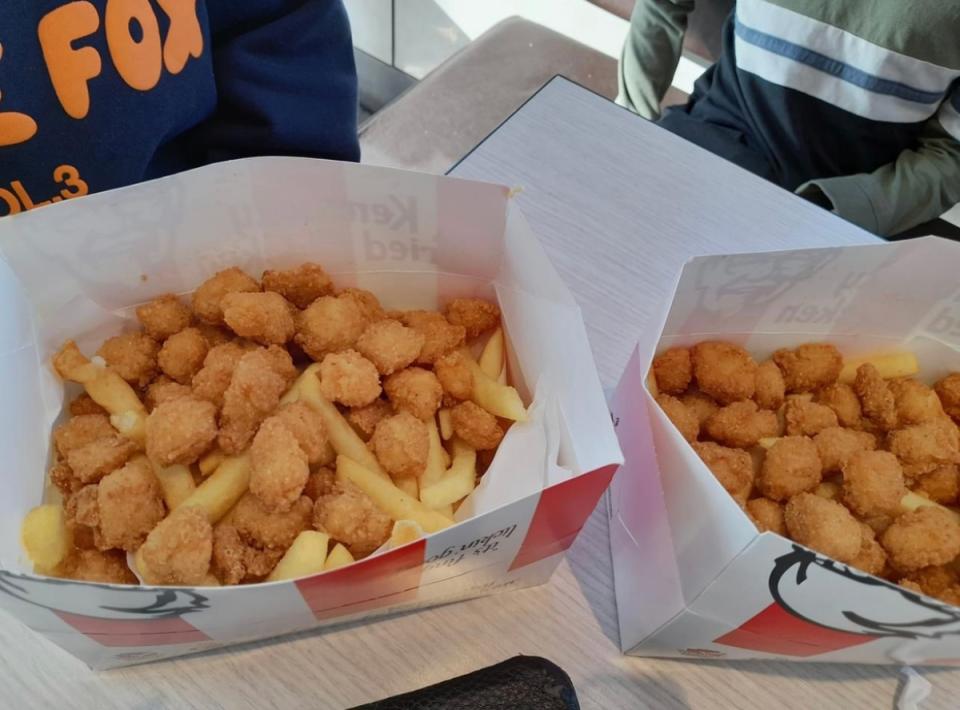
673, 371
182, 355
921, 538
948, 390
872, 558
390, 345
95, 460
269, 530
792, 466
349, 516
80, 431
179, 549
823, 525
455, 375
368, 302
770, 388
440, 336
700, 404
724, 371
742, 424
264, 317
477, 427
400, 443
873, 483
129, 505
164, 316
214, 334
212, 381
234, 561
349, 378
133, 356
876, 399
733, 468
330, 325
207, 298
476, 315
924, 447
321, 482
308, 428
942, 485
63, 477
163, 389
767, 515
916, 403
278, 466
179, 431
84, 404
836, 444
254, 393
809, 367
301, 285
365, 419
414, 390
82, 517
932, 581
805, 418
101, 566
844, 402
683, 418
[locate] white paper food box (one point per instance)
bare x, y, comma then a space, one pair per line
693, 577
77, 269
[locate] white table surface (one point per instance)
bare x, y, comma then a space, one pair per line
620, 205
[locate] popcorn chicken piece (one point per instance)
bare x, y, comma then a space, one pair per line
921, 538
454, 374
178, 551
873, 484
948, 390
476, 315
164, 316
770, 388
365, 419
767, 515
440, 336
414, 390
673, 371
95, 460
733, 468
932, 581
916, 403
129, 505
349, 378
63, 477
215, 335
401, 443
942, 485
207, 298
823, 525
82, 517
330, 325
876, 399
349, 516
264, 317
390, 345
179, 431
133, 356
792, 466
269, 530
321, 482
84, 404
836, 444
212, 381
809, 367
182, 355
724, 371
258, 381
742, 425
872, 558
103, 567
308, 428
234, 561
844, 402
684, 419
301, 285
804, 418
368, 302
477, 427
927, 445
81, 430
701, 405
279, 467
163, 389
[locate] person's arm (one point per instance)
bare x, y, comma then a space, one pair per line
920, 185
286, 81
651, 53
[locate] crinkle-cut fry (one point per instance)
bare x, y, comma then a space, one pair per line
436, 465
500, 400
105, 387
491, 358
304, 557
889, 365
911, 501
404, 532
45, 537
457, 483
390, 499
342, 436
223, 488
209, 463
176, 482
446, 423
768, 441
339, 557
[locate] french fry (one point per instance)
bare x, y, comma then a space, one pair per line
502, 377
339, 557
828, 489
225, 486
390, 499
436, 466
911, 501
45, 537
768, 441
342, 436
209, 463
500, 400
304, 557
410, 486
446, 423
889, 365
404, 532
293, 394
491, 359
176, 482
458, 482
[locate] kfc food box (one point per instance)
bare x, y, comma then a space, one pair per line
694, 576
77, 270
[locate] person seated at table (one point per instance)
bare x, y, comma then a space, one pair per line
104, 93
853, 105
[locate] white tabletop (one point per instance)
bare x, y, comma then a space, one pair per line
619, 205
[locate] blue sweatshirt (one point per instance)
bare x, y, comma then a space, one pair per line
96, 94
